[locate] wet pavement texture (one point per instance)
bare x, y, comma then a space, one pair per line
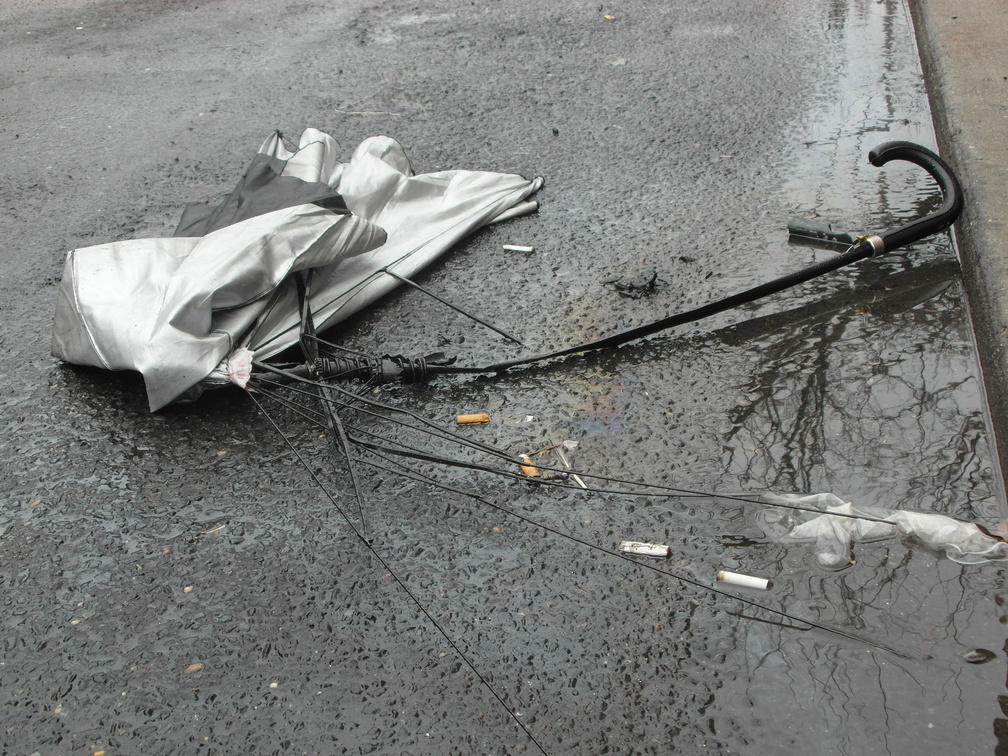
177, 582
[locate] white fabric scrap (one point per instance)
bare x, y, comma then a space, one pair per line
239, 367
834, 533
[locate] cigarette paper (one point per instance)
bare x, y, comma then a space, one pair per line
645, 549
479, 417
518, 248
748, 581
567, 464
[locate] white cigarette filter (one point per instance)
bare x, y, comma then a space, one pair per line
749, 581
645, 549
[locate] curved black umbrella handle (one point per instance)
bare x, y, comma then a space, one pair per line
952, 200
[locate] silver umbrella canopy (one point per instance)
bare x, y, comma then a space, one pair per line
189, 312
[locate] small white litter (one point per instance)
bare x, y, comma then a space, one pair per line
845, 523
659, 550
748, 581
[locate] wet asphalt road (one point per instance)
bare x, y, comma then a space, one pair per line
175, 583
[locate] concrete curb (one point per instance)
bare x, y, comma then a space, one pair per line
964, 53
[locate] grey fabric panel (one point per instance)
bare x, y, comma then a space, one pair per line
261, 190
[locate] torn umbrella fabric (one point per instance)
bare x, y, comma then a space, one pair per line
843, 524
176, 309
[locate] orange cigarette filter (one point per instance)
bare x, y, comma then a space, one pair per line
478, 417
528, 468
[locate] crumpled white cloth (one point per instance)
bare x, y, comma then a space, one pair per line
834, 534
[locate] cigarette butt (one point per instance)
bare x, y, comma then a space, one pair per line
518, 248
528, 468
567, 464
563, 458
748, 581
478, 417
645, 549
